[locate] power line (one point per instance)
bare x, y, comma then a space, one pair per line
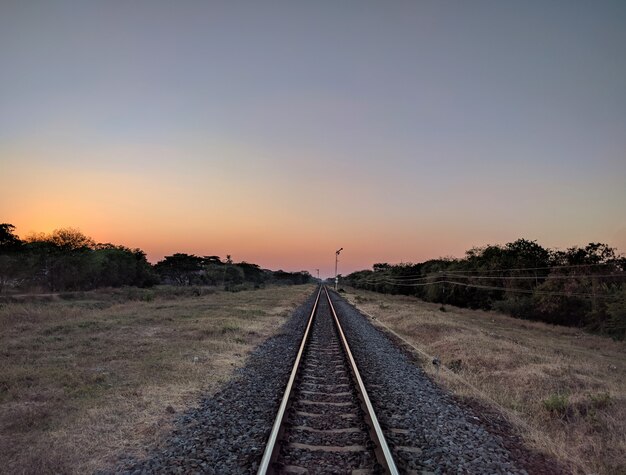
408, 278
573, 266
505, 289
530, 291
407, 284
391, 279
531, 277
503, 270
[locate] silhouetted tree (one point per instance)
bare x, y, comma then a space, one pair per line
9, 242
291, 278
11, 262
181, 269
252, 273
71, 239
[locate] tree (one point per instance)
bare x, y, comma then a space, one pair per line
581, 286
583, 293
62, 260
71, 239
67, 259
182, 269
291, 278
252, 273
526, 254
233, 276
9, 241
118, 265
11, 266
213, 259
11, 270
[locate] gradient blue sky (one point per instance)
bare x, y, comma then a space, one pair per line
280, 131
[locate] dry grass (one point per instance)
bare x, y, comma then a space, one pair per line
563, 389
85, 377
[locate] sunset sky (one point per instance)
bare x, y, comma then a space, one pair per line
279, 131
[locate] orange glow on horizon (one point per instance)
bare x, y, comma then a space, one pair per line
398, 144
268, 219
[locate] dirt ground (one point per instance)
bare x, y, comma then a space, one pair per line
562, 389
87, 376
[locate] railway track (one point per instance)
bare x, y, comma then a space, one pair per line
326, 422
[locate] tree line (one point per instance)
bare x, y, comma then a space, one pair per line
186, 269
68, 260
579, 286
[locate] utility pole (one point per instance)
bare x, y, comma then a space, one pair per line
336, 261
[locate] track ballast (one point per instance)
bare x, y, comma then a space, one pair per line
326, 423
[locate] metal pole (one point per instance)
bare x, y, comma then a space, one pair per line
337, 260
318, 274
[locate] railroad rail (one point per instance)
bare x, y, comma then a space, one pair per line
326, 422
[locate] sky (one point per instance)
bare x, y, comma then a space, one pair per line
280, 131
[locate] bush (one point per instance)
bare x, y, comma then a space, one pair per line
519, 307
557, 404
616, 311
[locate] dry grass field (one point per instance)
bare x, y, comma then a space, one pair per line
87, 376
562, 389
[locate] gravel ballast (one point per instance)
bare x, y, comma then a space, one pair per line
325, 410
427, 430
227, 432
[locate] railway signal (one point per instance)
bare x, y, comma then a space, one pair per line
336, 261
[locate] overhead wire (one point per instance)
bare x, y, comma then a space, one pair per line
457, 274
530, 291
493, 277
531, 277
517, 269
502, 270
493, 287
452, 276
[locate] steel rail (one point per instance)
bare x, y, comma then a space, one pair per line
388, 462
270, 448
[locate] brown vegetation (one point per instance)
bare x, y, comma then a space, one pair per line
87, 376
563, 390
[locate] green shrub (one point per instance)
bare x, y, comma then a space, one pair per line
557, 404
230, 327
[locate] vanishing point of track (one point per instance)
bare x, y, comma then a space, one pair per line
326, 422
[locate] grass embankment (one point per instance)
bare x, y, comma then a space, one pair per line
563, 390
87, 376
